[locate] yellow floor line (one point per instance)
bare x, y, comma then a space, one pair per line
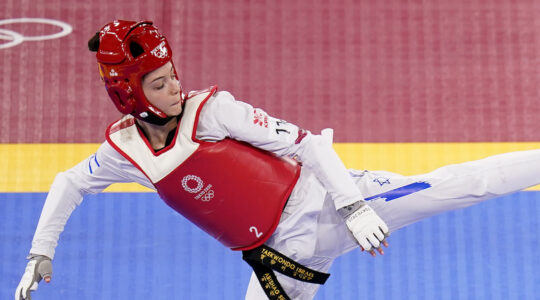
32, 167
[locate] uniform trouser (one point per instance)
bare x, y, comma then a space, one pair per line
312, 233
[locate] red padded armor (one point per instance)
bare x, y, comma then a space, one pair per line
231, 190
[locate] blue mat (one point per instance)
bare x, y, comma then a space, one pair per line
132, 246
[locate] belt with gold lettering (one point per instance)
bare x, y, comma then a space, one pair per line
264, 260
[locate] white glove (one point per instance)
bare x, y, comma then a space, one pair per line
38, 267
366, 226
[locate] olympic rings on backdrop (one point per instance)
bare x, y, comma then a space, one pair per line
14, 38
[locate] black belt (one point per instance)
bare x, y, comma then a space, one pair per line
265, 260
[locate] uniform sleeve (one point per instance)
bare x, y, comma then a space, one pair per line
224, 117
90, 176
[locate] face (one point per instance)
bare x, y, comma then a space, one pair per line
162, 89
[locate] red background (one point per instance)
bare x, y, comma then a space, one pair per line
376, 71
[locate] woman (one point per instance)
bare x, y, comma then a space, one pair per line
254, 182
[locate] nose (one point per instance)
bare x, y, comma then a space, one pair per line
175, 87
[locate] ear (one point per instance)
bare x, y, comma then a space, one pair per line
122, 97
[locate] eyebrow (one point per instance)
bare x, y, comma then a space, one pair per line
160, 77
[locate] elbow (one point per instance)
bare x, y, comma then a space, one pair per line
66, 184
314, 148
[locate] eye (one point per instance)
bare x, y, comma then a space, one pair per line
159, 87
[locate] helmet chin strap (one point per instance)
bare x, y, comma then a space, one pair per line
152, 116
154, 119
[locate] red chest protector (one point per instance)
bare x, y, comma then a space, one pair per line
231, 190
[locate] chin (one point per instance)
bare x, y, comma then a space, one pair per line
176, 111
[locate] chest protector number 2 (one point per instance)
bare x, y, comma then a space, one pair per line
255, 231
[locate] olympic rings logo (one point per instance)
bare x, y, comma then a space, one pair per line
14, 38
197, 180
208, 196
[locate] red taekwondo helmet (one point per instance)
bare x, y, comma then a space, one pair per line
126, 51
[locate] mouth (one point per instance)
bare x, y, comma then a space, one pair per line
180, 101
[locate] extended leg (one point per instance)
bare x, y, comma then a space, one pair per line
402, 200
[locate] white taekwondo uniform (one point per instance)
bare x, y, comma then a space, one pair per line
310, 230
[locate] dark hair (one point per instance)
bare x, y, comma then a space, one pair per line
93, 43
